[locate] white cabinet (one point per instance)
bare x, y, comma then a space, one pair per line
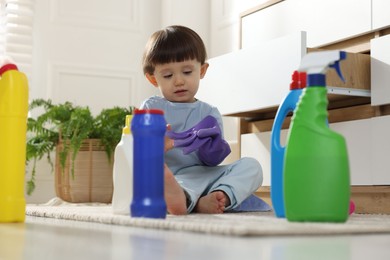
380, 14
380, 70
324, 21
255, 84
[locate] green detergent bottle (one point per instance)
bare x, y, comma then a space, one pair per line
316, 167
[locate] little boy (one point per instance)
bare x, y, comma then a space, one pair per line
174, 61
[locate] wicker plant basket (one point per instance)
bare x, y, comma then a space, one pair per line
92, 180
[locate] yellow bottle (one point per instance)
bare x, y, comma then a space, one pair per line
13, 127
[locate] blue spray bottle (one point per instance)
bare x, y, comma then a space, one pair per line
277, 150
316, 167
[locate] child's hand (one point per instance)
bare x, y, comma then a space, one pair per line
169, 143
205, 138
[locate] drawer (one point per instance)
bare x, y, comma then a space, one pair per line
253, 78
344, 19
252, 82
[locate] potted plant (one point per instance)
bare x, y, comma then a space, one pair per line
72, 131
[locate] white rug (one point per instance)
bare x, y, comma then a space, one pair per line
237, 224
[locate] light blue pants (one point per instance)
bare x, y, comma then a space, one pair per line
238, 180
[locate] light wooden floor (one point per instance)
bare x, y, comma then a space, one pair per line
42, 238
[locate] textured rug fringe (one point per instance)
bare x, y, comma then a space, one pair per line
233, 224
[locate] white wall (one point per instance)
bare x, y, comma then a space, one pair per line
225, 24
89, 52
193, 14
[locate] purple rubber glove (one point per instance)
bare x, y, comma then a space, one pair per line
205, 138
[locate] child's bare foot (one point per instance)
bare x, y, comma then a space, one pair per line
212, 203
174, 194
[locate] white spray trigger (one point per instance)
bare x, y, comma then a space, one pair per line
319, 62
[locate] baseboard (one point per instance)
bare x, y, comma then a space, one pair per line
367, 199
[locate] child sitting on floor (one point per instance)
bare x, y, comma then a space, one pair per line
174, 61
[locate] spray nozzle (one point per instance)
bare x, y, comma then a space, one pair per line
336, 65
319, 62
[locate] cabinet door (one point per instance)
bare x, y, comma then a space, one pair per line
333, 20
324, 21
368, 144
380, 150
358, 137
380, 71
380, 13
257, 145
267, 24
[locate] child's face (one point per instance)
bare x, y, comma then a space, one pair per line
178, 81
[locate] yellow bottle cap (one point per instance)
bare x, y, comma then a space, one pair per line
127, 130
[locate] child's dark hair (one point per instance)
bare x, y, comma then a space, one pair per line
173, 44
